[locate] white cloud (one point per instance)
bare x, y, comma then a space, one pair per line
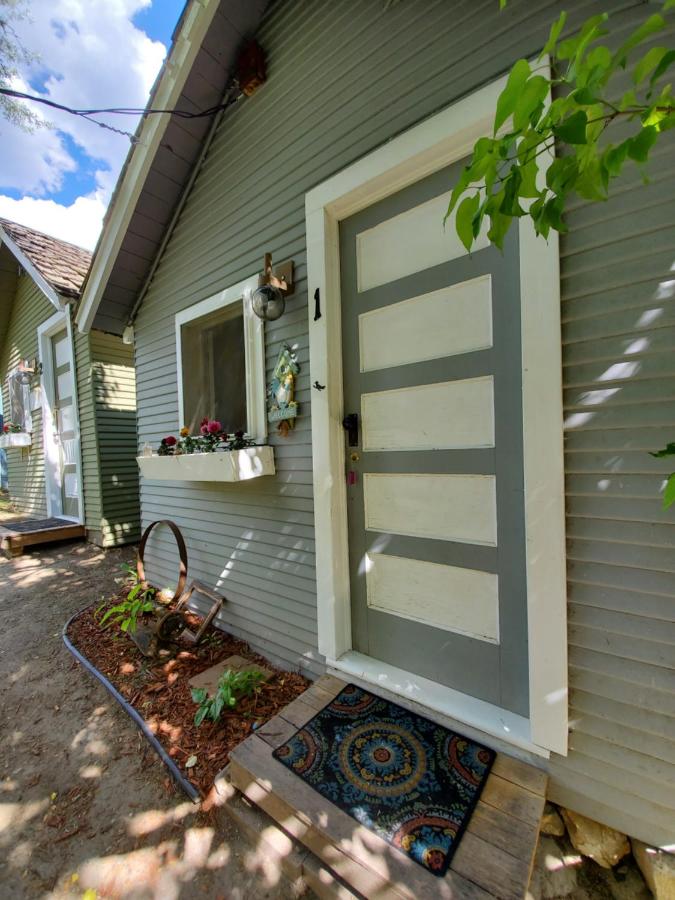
79, 223
91, 56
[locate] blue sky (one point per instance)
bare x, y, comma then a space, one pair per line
159, 20
93, 53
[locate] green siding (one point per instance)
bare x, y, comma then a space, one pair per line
114, 386
25, 467
340, 89
88, 438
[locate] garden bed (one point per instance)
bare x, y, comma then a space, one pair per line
160, 693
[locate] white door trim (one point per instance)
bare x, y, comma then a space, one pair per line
424, 149
45, 332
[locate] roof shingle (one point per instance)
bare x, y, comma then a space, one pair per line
61, 264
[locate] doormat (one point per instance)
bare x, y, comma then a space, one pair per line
412, 782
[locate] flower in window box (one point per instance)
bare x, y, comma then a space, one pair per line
167, 445
215, 427
184, 432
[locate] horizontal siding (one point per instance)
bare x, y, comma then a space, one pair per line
114, 397
340, 90
88, 438
618, 310
25, 467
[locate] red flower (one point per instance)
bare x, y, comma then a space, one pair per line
169, 441
204, 421
214, 427
239, 434
5, 428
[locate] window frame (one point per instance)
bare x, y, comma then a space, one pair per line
254, 352
26, 413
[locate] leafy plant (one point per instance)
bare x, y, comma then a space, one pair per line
669, 493
138, 601
543, 150
232, 686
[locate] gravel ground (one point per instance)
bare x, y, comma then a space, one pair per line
86, 807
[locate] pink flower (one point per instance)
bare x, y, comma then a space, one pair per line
204, 429
215, 427
170, 441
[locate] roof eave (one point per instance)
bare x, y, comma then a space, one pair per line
52, 295
172, 80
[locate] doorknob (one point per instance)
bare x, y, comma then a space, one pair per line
350, 423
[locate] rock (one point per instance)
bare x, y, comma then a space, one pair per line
658, 868
551, 823
555, 872
601, 843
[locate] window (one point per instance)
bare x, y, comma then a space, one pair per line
19, 401
221, 363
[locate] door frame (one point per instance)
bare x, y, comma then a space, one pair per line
45, 332
432, 145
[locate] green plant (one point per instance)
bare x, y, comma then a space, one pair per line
138, 601
542, 150
232, 686
669, 493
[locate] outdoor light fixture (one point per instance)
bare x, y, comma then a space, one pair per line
268, 298
28, 369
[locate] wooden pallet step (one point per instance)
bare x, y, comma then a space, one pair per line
280, 851
16, 536
493, 860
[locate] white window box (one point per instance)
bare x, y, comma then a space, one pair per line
232, 465
16, 439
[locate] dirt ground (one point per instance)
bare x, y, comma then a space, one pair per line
87, 809
72, 763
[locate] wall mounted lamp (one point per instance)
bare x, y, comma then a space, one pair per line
268, 299
28, 369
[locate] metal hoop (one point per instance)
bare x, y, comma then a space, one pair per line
182, 551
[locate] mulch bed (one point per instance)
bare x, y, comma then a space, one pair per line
159, 691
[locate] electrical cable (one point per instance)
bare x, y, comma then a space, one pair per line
116, 110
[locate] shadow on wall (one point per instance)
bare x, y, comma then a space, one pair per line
615, 367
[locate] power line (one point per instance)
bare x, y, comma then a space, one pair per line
117, 110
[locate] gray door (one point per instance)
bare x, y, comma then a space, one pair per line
432, 366
67, 486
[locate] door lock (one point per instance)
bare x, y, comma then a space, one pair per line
350, 423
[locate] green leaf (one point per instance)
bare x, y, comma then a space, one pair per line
664, 64
648, 63
198, 694
639, 146
653, 24
669, 493
530, 100
572, 130
200, 715
562, 173
462, 184
668, 4
499, 226
553, 210
509, 96
463, 222
553, 35
668, 450
510, 205
614, 157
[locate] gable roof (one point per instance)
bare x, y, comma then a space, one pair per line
160, 165
62, 265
